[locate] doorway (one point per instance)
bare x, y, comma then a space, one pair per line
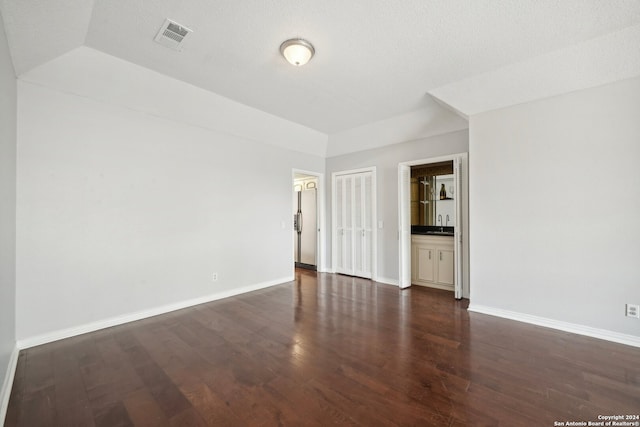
308, 220
460, 231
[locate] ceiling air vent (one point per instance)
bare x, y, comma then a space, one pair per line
172, 35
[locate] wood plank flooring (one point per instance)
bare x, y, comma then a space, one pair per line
325, 350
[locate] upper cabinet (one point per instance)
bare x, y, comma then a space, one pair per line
445, 207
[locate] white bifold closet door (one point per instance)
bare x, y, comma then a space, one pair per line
354, 228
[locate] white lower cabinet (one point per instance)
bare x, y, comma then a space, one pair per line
445, 266
432, 261
424, 258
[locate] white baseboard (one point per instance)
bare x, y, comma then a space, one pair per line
7, 384
118, 320
574, 328
387, 281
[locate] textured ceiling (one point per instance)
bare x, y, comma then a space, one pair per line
374, 58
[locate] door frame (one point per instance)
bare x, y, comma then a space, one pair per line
374, 218
462, 211
320, 215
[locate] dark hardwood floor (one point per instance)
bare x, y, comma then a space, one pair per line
325, 350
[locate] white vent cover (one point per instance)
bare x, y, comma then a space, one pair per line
172, 35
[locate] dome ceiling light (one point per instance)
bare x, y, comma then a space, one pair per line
297, 51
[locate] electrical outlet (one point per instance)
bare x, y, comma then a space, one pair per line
633, 310
214, 277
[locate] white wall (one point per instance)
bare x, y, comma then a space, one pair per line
600, 60
92, 74
7, 212
430, 120
121, 211
386, 160
555, 207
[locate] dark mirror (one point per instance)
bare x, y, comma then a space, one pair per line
432, 195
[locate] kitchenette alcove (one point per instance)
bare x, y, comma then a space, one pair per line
433, 222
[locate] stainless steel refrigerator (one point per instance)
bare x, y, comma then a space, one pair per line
305, 227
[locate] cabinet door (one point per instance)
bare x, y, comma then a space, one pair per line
445, 266
414, 261
425, 262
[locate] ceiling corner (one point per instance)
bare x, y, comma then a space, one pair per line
41, 31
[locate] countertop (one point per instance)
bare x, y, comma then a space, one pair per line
432, 230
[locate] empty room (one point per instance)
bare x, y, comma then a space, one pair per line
295, 212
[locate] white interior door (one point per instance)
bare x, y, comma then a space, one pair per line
308, 227
404, 230
457, 235
353, 218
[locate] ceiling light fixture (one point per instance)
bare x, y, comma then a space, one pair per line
297, 51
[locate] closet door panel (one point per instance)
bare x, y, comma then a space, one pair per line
354, 228
339, 246
367, 226
357, 222
348, 228
362, 220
